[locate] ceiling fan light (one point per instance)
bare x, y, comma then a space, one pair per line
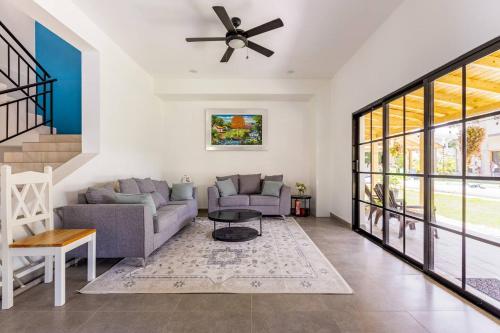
236, 43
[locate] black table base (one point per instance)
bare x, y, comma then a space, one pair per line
235, 234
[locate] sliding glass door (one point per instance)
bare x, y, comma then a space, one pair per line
426, 175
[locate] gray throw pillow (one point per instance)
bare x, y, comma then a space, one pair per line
226, 187
249, 184
274, 178
158, 199
144, 199
129, 186
182, 191
100, 195
161, 187
234, 179
145, 185
271, 188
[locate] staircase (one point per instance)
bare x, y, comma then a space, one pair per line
50, 150
28, 139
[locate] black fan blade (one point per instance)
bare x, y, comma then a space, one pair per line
227, 55
260, 49
222, 14
274, 24
205, 39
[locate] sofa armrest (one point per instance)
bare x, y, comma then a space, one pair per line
213, 198
285, 200
122, 230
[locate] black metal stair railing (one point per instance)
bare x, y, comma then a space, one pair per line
14, 108
31, 95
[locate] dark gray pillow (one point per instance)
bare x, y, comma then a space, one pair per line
234, 178
249, 184
158, 199
161, 187
182, 191
100, 195
226, 188
274, 178
129, 186
271, 188
145, 185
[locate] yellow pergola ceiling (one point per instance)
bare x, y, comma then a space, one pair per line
482, 96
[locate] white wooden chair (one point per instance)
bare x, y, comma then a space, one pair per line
26, 198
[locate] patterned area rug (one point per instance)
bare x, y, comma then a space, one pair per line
282, 260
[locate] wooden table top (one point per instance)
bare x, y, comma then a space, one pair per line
53, 238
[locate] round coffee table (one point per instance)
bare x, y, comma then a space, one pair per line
235, 234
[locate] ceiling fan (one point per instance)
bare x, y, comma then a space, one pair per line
238, 38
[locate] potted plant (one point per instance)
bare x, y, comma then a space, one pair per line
301, 187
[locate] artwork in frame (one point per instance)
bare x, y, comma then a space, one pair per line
236, 129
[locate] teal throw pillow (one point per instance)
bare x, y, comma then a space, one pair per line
183, 191
271, 188
226, 187
144, 199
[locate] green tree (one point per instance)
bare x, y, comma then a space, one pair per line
217, 121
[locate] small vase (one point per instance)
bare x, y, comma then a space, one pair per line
301, 192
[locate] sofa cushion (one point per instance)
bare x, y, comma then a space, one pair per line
144, 199
274, 178
145, 185
271, 188
100, 195
264, 200
226, 187
249, 184
158, 199
190, 208
234, 200
162, 187
234, 179
182, 191
129, 186
165, 217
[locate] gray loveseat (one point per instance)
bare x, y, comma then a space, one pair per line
130, 230
250, 199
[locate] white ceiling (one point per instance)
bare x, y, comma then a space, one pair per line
318, 36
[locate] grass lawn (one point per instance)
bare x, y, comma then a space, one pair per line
480, 211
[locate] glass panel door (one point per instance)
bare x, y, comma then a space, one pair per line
368, 172
405, 169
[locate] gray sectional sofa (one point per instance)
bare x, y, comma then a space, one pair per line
129, 230
250, 197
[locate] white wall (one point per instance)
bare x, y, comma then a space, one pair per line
121, 113
298, 132
20, 24
418, 37
288, 153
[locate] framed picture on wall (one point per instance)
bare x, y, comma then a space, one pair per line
236, 129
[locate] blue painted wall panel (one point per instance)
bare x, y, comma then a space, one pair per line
63, 62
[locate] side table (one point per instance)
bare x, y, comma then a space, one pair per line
301, 205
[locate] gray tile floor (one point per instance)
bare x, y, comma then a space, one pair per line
390, 296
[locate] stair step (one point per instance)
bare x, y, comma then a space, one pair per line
22, 167
40, 157
52, 146
60, 138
